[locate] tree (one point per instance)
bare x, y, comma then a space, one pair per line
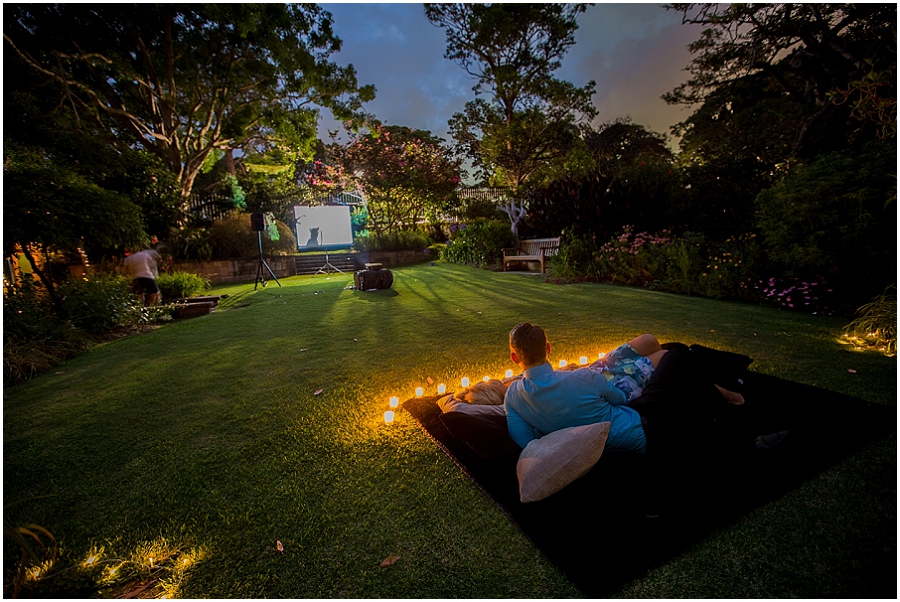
404, 173
630, 184
528, 127
67, 192
184, 80
809, 52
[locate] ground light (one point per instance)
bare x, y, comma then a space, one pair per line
465, 381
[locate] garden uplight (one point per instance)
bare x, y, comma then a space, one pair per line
563, 363
509, 373
394, 402
486, 378
583, 360
442, 388
465, 381
419, 392
388, 417
601, 356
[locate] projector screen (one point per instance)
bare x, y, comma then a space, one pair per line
323, 226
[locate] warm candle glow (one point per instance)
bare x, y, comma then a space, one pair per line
394, 402
563, 363
388, 417
583, 360
442, 388
509, 373
419, 392
465, 381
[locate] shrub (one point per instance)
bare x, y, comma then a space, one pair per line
632, 258
34, 338
836, 216
393, 240
875, 326
100, 303
576, 259
232, 237
179, 285
480, 243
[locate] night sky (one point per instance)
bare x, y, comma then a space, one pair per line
634, 53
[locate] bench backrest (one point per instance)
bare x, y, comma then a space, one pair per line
533, 246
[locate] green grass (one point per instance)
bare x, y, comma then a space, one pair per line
205, 440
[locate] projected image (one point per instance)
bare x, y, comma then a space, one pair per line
323, 227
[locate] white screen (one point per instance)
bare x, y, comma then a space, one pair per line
323, 226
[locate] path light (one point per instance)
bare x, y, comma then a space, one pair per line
509, 373
419, 392
388, 417
394, 402
465, 381
442, 388
563, 363
583, 360
486, 378
601, 356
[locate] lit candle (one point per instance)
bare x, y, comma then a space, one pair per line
419, 392
465, 381
509, 374
562, 363
442, 388
583, 360
394, 402
388, 417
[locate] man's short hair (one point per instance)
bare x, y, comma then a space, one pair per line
529, 342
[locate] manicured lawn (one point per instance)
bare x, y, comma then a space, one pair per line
207, 441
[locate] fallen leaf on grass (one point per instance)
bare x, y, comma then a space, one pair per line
389, 561
430, 380
851, 371
278, 546
302, 350
319, 392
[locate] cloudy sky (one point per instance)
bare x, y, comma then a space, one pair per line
634, 53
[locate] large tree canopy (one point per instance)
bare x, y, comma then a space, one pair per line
181, 80
528, 124
813, 54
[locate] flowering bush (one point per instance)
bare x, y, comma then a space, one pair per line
404, 174
792, 293
632, 258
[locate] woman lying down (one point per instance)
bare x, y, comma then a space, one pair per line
628, 367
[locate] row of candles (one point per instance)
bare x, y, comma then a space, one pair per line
394, 401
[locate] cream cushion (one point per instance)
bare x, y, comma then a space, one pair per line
548, 464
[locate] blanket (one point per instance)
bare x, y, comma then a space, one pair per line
630, 512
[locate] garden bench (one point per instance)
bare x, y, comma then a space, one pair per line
533, 249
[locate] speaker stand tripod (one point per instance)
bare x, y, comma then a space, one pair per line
325, 268
260, 276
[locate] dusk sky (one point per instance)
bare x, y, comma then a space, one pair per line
634, 53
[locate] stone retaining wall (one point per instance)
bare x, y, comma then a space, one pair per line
244, 269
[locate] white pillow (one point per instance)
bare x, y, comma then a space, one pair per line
548, 464
448, 403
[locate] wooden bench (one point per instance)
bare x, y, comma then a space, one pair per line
534, 249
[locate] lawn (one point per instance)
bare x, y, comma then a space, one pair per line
189, 455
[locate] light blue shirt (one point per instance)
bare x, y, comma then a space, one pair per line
547, 400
